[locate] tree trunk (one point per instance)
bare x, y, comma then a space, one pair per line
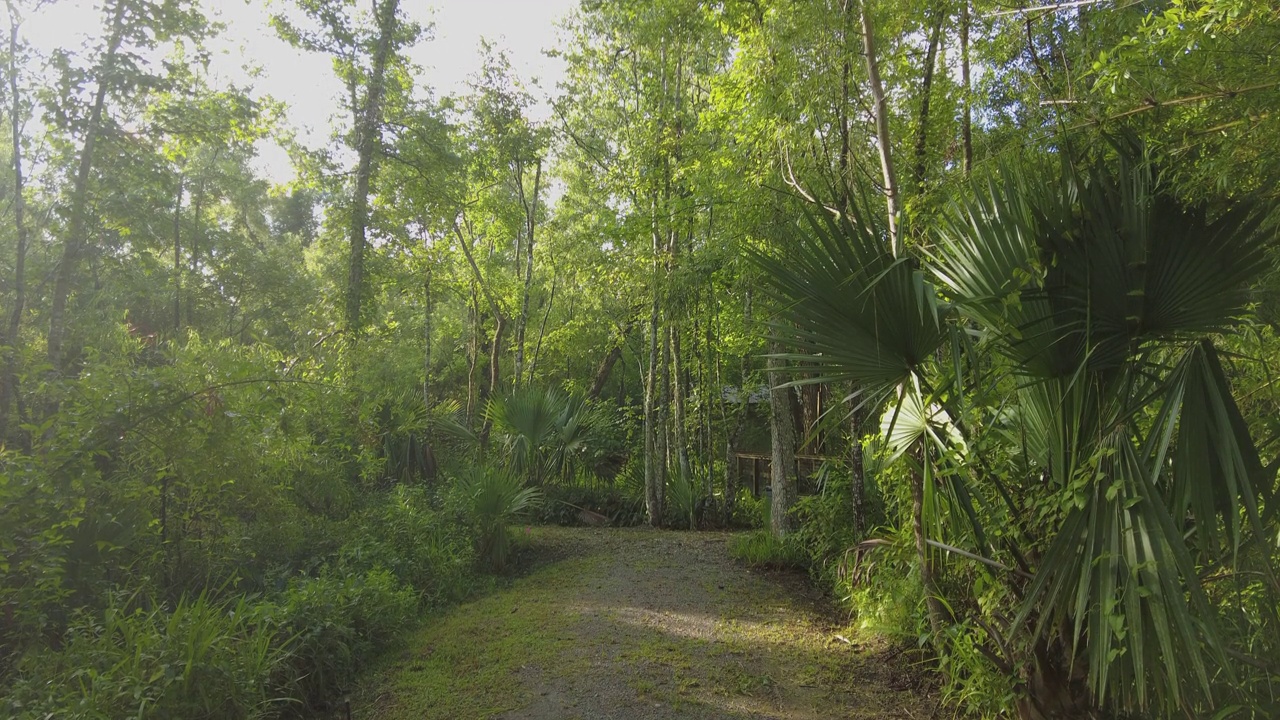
857, 477
368, 131
846, 70
426, 340
664, 424
881, 109
474, 359
177, 255
542, 331
966, 125
605, 370
495, 355
8, 344
926, 92
76, 241
732, 478
653, 470
680, 434
782, 436
531, 223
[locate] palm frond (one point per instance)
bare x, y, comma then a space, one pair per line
850, 307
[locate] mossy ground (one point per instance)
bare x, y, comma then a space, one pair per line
642, 624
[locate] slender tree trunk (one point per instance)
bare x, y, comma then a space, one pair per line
542, 331
605, 370
664, 423
474, 359
368, 121
495, 355
926, 93
679, 417
883, 141
857, 477
653, 472
782, 435
197, 229
426, 340
499, 318
177, 255
846, 71
76, 241
8, 344
531, 224
966, 125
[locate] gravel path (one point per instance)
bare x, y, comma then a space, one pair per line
636, 624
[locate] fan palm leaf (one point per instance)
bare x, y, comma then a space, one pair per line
851, 308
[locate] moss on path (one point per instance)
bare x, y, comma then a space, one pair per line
640, 624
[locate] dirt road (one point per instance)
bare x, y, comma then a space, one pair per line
638, 624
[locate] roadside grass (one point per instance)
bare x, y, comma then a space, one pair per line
463, 664
760, 549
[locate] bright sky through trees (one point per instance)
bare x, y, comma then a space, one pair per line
305, 82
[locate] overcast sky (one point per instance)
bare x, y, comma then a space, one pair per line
305, 81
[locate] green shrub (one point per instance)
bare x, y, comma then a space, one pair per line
492, 499
682, 501
426, 546
203, 659
749, 512
336, 624
760, 549
564, 505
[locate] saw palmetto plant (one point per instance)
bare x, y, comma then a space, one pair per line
1048, 363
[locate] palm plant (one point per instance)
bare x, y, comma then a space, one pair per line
494, 498
542, 430
1075, 321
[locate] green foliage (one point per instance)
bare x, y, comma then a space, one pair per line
411, 535
201, 659
564, 504
337, 622
750, 512
1100, 294
494, 498
761, 549
545, 431
682, 500
826, 527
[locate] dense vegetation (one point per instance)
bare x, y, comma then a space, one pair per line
993, 286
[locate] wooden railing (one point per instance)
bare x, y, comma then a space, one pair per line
759, 466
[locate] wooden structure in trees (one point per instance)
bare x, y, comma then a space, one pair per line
753, 469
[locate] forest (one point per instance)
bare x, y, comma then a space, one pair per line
966, 308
